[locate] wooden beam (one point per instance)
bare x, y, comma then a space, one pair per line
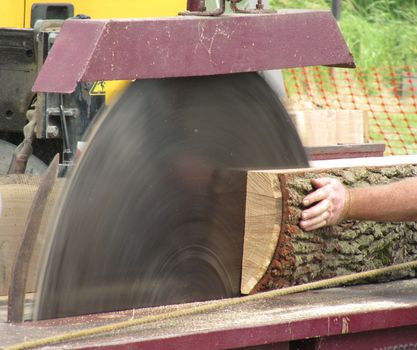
277, 253
18, 192
323, 127
33, 226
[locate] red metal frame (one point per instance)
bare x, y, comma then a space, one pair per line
94, 50
404, 338
193, 5
350, 331
346, 151
342, 331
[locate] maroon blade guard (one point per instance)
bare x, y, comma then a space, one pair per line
95, 50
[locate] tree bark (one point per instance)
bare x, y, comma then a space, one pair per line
299, 257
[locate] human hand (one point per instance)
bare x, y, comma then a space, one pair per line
333, 201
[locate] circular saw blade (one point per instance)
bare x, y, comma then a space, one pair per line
154, 212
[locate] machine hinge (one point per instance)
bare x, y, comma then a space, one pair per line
198, 8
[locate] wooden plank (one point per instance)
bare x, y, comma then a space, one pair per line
331, 127
17, 193
274, 238
21, 263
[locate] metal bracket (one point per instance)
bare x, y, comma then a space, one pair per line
260, 8
200, 5
202, 9
67, 152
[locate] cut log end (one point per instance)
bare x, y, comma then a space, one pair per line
262, 227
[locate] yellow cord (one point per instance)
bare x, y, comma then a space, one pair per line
332, 282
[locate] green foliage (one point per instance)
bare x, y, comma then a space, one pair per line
380, 11
307, 4
376, 44
379, 32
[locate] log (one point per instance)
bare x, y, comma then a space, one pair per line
17, 193
278, 253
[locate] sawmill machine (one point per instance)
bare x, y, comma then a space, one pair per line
146, 219
149, 215
149, 200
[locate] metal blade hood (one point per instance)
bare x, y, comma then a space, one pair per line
95, 50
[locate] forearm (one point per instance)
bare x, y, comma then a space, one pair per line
394, 202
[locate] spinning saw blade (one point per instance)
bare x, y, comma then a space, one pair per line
154, 211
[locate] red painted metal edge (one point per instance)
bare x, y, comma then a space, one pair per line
335, 312
346, 151
93, 50
271, 334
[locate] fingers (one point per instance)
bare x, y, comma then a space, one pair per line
315, 227
321, 193
329, 197
316, 196
316, 222
317, 210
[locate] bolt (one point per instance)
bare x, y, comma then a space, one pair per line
9, 114
202, 6
260, 5
52, 131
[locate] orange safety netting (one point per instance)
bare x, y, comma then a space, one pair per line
389, 95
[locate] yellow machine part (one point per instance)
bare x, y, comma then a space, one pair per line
12, 13
116, 8
17, 14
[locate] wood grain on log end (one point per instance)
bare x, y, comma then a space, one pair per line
262, 227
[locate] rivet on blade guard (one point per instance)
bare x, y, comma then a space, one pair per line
98, 88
